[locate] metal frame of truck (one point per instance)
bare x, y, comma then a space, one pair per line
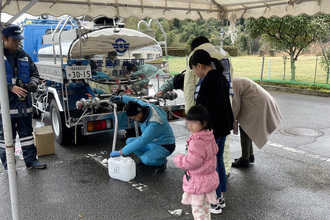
59, 95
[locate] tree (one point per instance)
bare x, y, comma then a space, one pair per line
290, 34
323, 37
325, 62
181, 33
168, 26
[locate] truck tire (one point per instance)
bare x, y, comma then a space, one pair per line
36, 114
62, 133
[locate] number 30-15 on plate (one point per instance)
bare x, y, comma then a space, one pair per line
78, 72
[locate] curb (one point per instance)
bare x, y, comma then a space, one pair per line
296, 91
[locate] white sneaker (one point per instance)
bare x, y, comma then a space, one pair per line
222, 202
216, 209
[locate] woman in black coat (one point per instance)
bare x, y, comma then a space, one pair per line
214, 95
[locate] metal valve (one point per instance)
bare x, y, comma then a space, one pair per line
90, 103
170, 95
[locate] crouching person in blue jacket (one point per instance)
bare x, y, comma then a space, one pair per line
157, 141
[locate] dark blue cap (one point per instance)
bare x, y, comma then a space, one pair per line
13, 31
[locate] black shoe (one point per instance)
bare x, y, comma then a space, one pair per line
38, 165
252, 158
161, 168
241, 163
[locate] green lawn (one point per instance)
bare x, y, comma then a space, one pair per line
250, 67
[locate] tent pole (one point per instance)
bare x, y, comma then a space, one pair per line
222, 30
221, 34
8, 136
27, 7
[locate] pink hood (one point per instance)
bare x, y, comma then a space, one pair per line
200, 163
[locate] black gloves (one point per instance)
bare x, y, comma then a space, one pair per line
32, 87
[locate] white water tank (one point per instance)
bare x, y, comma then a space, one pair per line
122, 168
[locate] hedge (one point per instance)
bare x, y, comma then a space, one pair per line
232, 50
176, 51
181, 52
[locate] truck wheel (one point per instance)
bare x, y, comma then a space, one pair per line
62, 133
36, 114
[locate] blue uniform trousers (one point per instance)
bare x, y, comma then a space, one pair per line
23, 126
151, 154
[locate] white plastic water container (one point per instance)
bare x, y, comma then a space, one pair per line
122, 168
18, 148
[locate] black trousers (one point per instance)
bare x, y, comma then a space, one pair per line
246, 144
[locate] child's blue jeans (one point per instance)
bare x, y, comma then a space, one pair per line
221, 166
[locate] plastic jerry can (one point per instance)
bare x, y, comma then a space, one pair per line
122, 168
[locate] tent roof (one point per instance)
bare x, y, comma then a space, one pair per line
169, 9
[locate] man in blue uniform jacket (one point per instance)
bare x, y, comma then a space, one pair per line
157, 141
22, 79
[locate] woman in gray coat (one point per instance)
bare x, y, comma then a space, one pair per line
258, 115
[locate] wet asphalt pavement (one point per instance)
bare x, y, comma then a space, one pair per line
289, 180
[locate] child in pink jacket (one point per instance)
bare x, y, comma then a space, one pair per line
201, 178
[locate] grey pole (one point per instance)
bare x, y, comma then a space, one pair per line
8, 136
262, 68
269, 61
315, 69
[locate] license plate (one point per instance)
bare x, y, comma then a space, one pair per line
78, 72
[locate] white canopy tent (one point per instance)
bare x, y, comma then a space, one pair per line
168, 9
